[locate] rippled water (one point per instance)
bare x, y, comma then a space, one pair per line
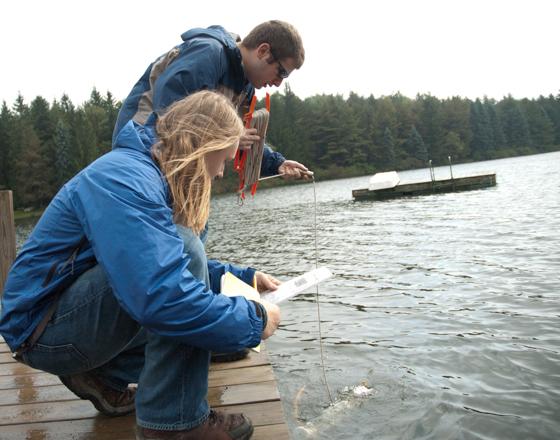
445, 306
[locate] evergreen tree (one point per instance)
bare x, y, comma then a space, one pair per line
453, 144
389, 149
415, 146
64, 168
112, 111
430, 122
84, 135
456, 119
496, 130
20, 108
42, 123
541, 128
383, 116
514, 122
6, 163
481, 141
551, 105
32, 187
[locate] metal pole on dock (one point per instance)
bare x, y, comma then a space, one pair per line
432, 174
450, 167
7, 236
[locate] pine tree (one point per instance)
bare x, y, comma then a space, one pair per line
497, 132
415, 146
389, 149
541, 128
481, 141
514, 122
64, 168
6, 163
429, 124
453, 145
32, 187
456, 119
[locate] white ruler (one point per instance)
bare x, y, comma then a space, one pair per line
297, 285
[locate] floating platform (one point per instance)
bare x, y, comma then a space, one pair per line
426, 187
35, 404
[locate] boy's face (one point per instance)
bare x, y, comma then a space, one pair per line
263, 69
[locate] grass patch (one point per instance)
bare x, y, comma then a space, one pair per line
22, 215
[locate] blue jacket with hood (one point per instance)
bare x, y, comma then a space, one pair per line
119, 206
208, 59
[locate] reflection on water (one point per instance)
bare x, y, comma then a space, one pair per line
447, 306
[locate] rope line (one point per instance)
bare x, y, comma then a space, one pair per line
252, 168
321, 350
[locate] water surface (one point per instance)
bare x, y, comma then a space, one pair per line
446, 306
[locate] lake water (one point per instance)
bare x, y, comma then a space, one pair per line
444, 310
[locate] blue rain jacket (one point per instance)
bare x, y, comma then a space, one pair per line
121, 205
208, 59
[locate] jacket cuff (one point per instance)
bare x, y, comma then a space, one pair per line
248, 275
261, 313
271, 161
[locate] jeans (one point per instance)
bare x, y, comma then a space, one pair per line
91, 332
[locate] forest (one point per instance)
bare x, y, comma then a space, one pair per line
42, 144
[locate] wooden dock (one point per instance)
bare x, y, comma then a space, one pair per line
34, 405
427, 187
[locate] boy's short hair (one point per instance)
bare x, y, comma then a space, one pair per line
284, 40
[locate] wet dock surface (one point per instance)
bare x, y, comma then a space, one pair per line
34, 405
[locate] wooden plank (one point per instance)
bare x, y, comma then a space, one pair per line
108, 429
35, 405
243, 375
41, 412
254, 359
266, 413
276, 432
7, 236
35, 395
14, 368
6, 358
21, 418
217, 396
246, 393
97, 428
218, 378
28, 380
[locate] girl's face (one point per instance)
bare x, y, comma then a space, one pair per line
216, 160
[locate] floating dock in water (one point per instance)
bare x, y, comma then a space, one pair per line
393, 189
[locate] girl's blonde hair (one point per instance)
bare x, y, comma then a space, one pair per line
190, 129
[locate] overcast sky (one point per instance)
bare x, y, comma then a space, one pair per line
468, 48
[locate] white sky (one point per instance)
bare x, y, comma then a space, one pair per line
469, 48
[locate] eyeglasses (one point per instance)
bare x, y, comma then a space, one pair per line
282, 72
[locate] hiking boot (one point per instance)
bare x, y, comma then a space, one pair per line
218, 426
229, 357
106, 400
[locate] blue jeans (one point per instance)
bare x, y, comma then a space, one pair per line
91, 332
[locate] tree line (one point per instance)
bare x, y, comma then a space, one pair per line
42, 145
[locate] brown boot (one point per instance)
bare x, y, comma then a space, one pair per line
218, 426
106, 400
